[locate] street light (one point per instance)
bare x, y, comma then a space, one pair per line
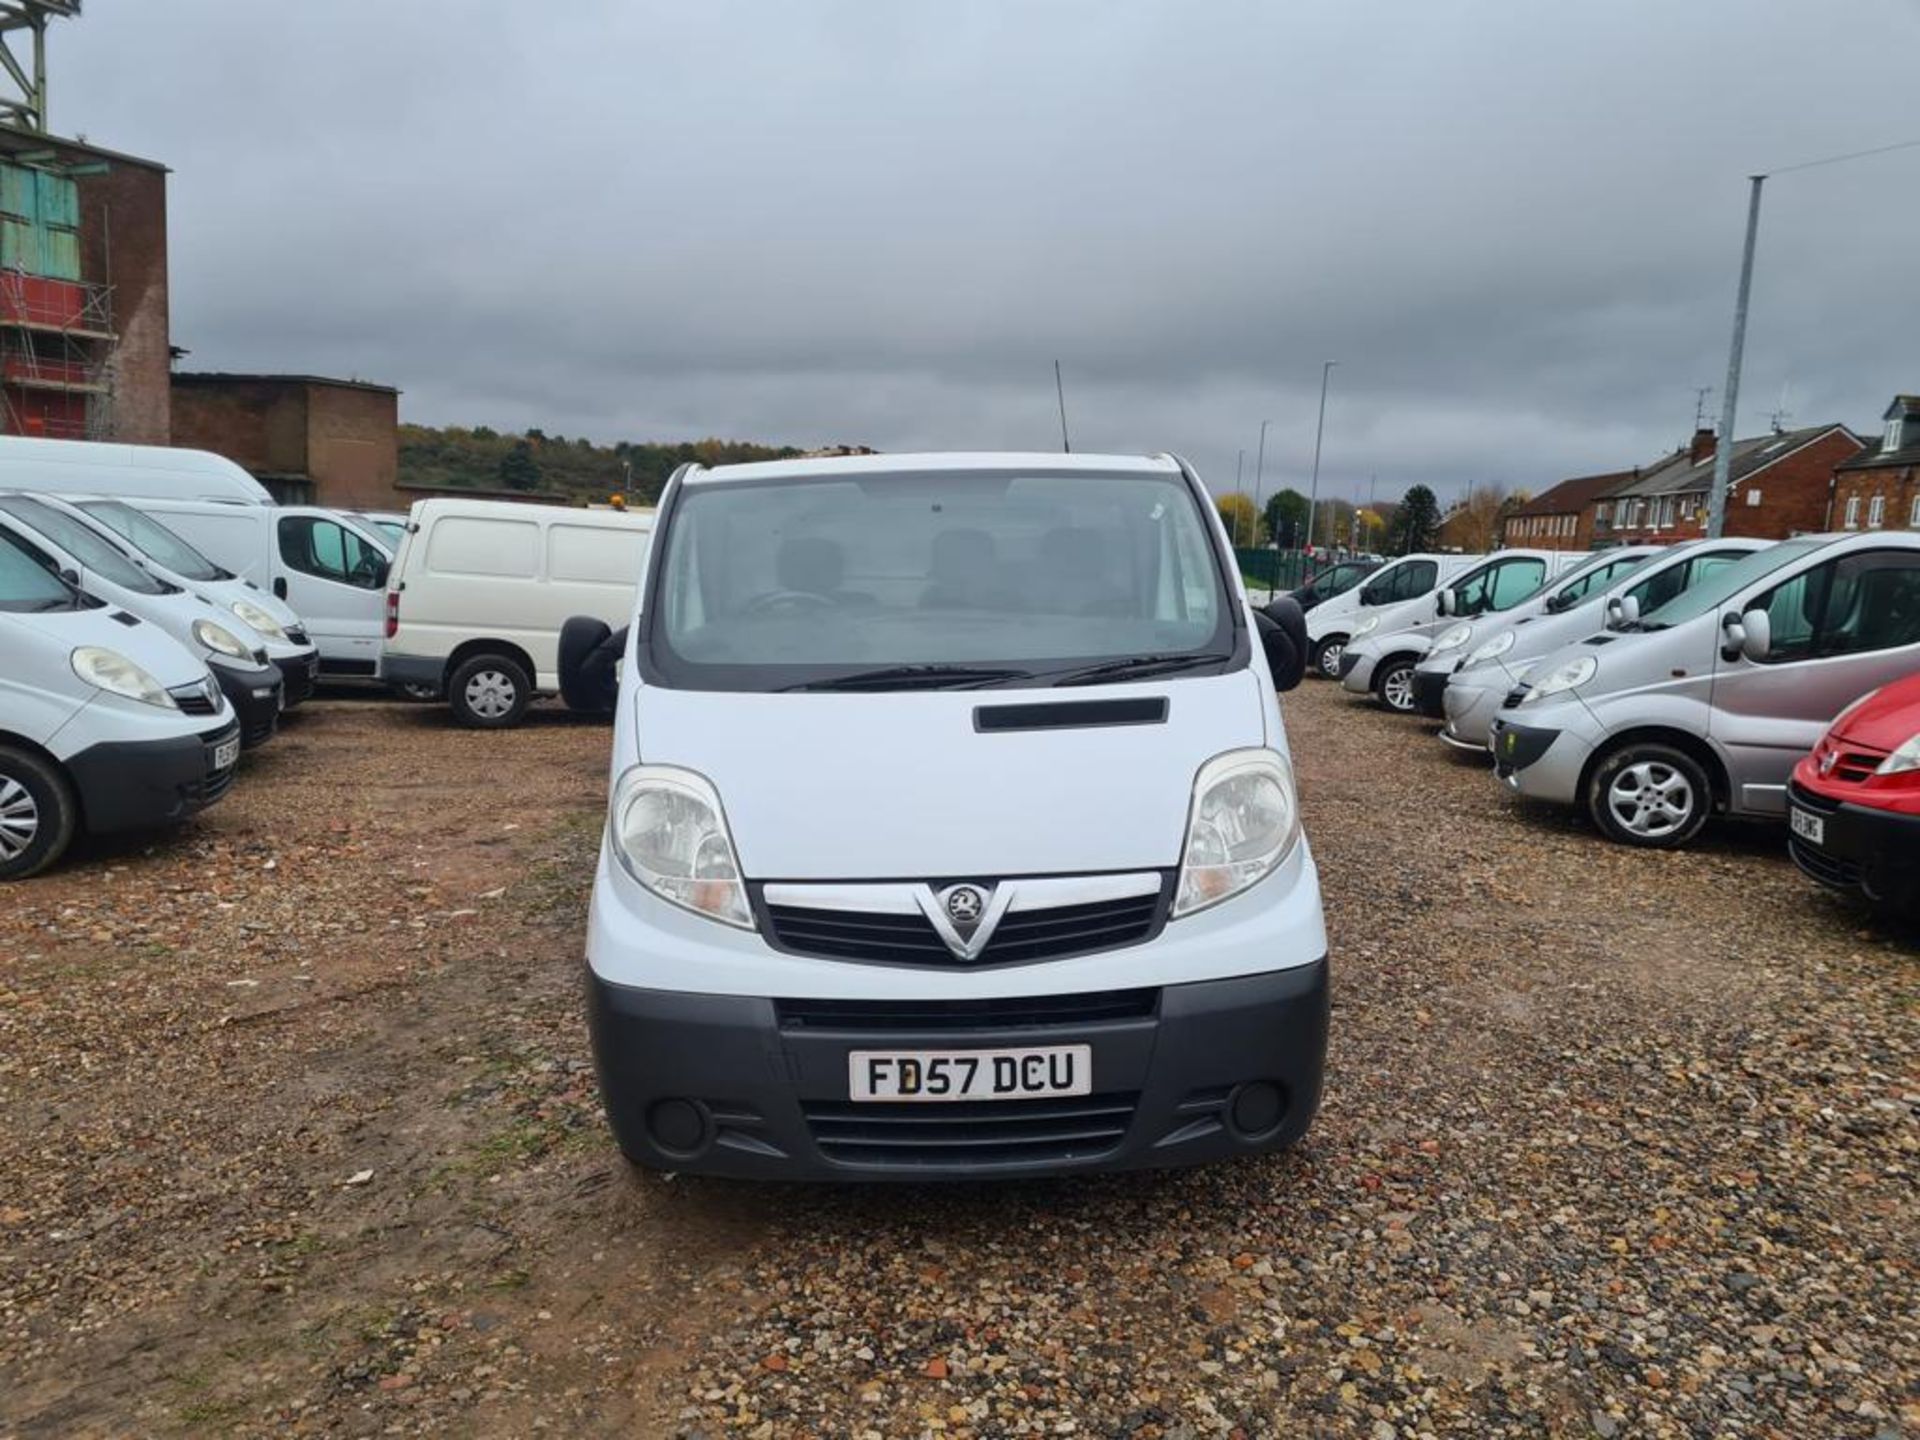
1259, 477
1730, 397
1313, 499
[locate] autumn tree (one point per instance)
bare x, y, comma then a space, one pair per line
1242, 519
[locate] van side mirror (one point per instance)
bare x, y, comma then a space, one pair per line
1282, 627
1733, 636
1756, 634
70, 575
590, 652
1445, 602
1369, 595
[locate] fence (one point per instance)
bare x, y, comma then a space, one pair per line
1267, 569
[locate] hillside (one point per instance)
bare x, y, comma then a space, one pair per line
483, 459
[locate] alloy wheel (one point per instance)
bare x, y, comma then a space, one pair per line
19, 818
1651, 799
1396, 688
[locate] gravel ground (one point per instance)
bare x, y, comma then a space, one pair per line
298, 1136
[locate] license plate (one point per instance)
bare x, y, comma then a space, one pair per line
1809, 827
933, 1075
226, 753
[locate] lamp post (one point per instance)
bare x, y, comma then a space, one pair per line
1313, 498
1259, 477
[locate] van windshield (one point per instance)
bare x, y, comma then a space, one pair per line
1713, 592
154, 540
98, 554
897, 581
25, 582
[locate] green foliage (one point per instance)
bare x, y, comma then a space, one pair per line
1242, 520
1416, 523
480, 458
1286, 517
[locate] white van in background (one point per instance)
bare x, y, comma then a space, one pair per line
481, 588
1333, 622
84, 467
331, 569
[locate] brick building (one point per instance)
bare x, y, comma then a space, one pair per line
83, 291
1780, 485
1879, 489
1561, 518
308, 439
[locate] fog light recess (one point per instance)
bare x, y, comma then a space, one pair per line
1257, 1109
679, 1127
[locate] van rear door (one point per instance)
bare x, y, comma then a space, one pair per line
334, 574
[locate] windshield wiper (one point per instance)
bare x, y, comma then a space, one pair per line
911, 677
1135, 665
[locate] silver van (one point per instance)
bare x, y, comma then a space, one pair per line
1380, 658
1558, 601
1705, 707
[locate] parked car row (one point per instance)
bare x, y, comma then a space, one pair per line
1662, 688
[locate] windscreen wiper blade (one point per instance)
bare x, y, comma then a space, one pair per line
1135, 666
912, 677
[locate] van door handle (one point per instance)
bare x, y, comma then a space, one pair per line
280, 586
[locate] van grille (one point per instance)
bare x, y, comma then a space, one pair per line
1021, 1012
1857, 766
972, 1133
196, 699
1824, 868
1023, 936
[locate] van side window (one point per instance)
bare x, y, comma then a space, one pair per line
1414, 579
1793, 613
330, 551
1873, 603
1500, 586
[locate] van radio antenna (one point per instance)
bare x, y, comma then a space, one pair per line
1060, 389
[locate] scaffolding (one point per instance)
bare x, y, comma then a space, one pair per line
57, 345
25, 108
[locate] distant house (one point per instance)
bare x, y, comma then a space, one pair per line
1562, 518
1780, 485
1879, 489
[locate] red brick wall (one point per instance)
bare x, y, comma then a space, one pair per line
123, 243
259, 425
353, 448
1897, 486
1549, 532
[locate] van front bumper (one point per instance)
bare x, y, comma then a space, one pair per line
255, 692
1875, 853
297, 676
758, 1089
144, 784
1470, 708
1544, 758
1430, 691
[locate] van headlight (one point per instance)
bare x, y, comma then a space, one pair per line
1901, 761
1453, 639
670, 835
112, 671
1560, 679
220, 640
1243, 821
1367, 626
253, 616
1493, 649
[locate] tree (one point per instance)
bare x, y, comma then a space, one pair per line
518, 469
1415, 523
1286, 518
1242, 519
1371, 526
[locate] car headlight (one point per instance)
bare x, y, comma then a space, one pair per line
1493, 649
1570, 676
253, 616
1243, 821
1452, 639
670, 835
110, 670
220, 640
1901, 761
1367, 626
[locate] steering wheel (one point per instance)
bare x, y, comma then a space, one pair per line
787, 599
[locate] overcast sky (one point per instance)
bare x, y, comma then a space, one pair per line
1515, 225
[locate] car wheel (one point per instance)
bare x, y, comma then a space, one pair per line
1393, 683
38, 814
416, 691
1326, 655
490, 692
1653, 796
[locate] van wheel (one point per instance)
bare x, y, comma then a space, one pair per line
490, 692
1393, 683
1653, 796
1326, 655
38, 814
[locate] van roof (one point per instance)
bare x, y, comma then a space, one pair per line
514, 509
1040, 462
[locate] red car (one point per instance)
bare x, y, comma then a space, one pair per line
1854, 804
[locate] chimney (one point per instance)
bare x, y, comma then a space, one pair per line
1703, 441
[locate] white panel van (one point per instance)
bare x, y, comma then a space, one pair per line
82, 467
331, 569
480, 591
